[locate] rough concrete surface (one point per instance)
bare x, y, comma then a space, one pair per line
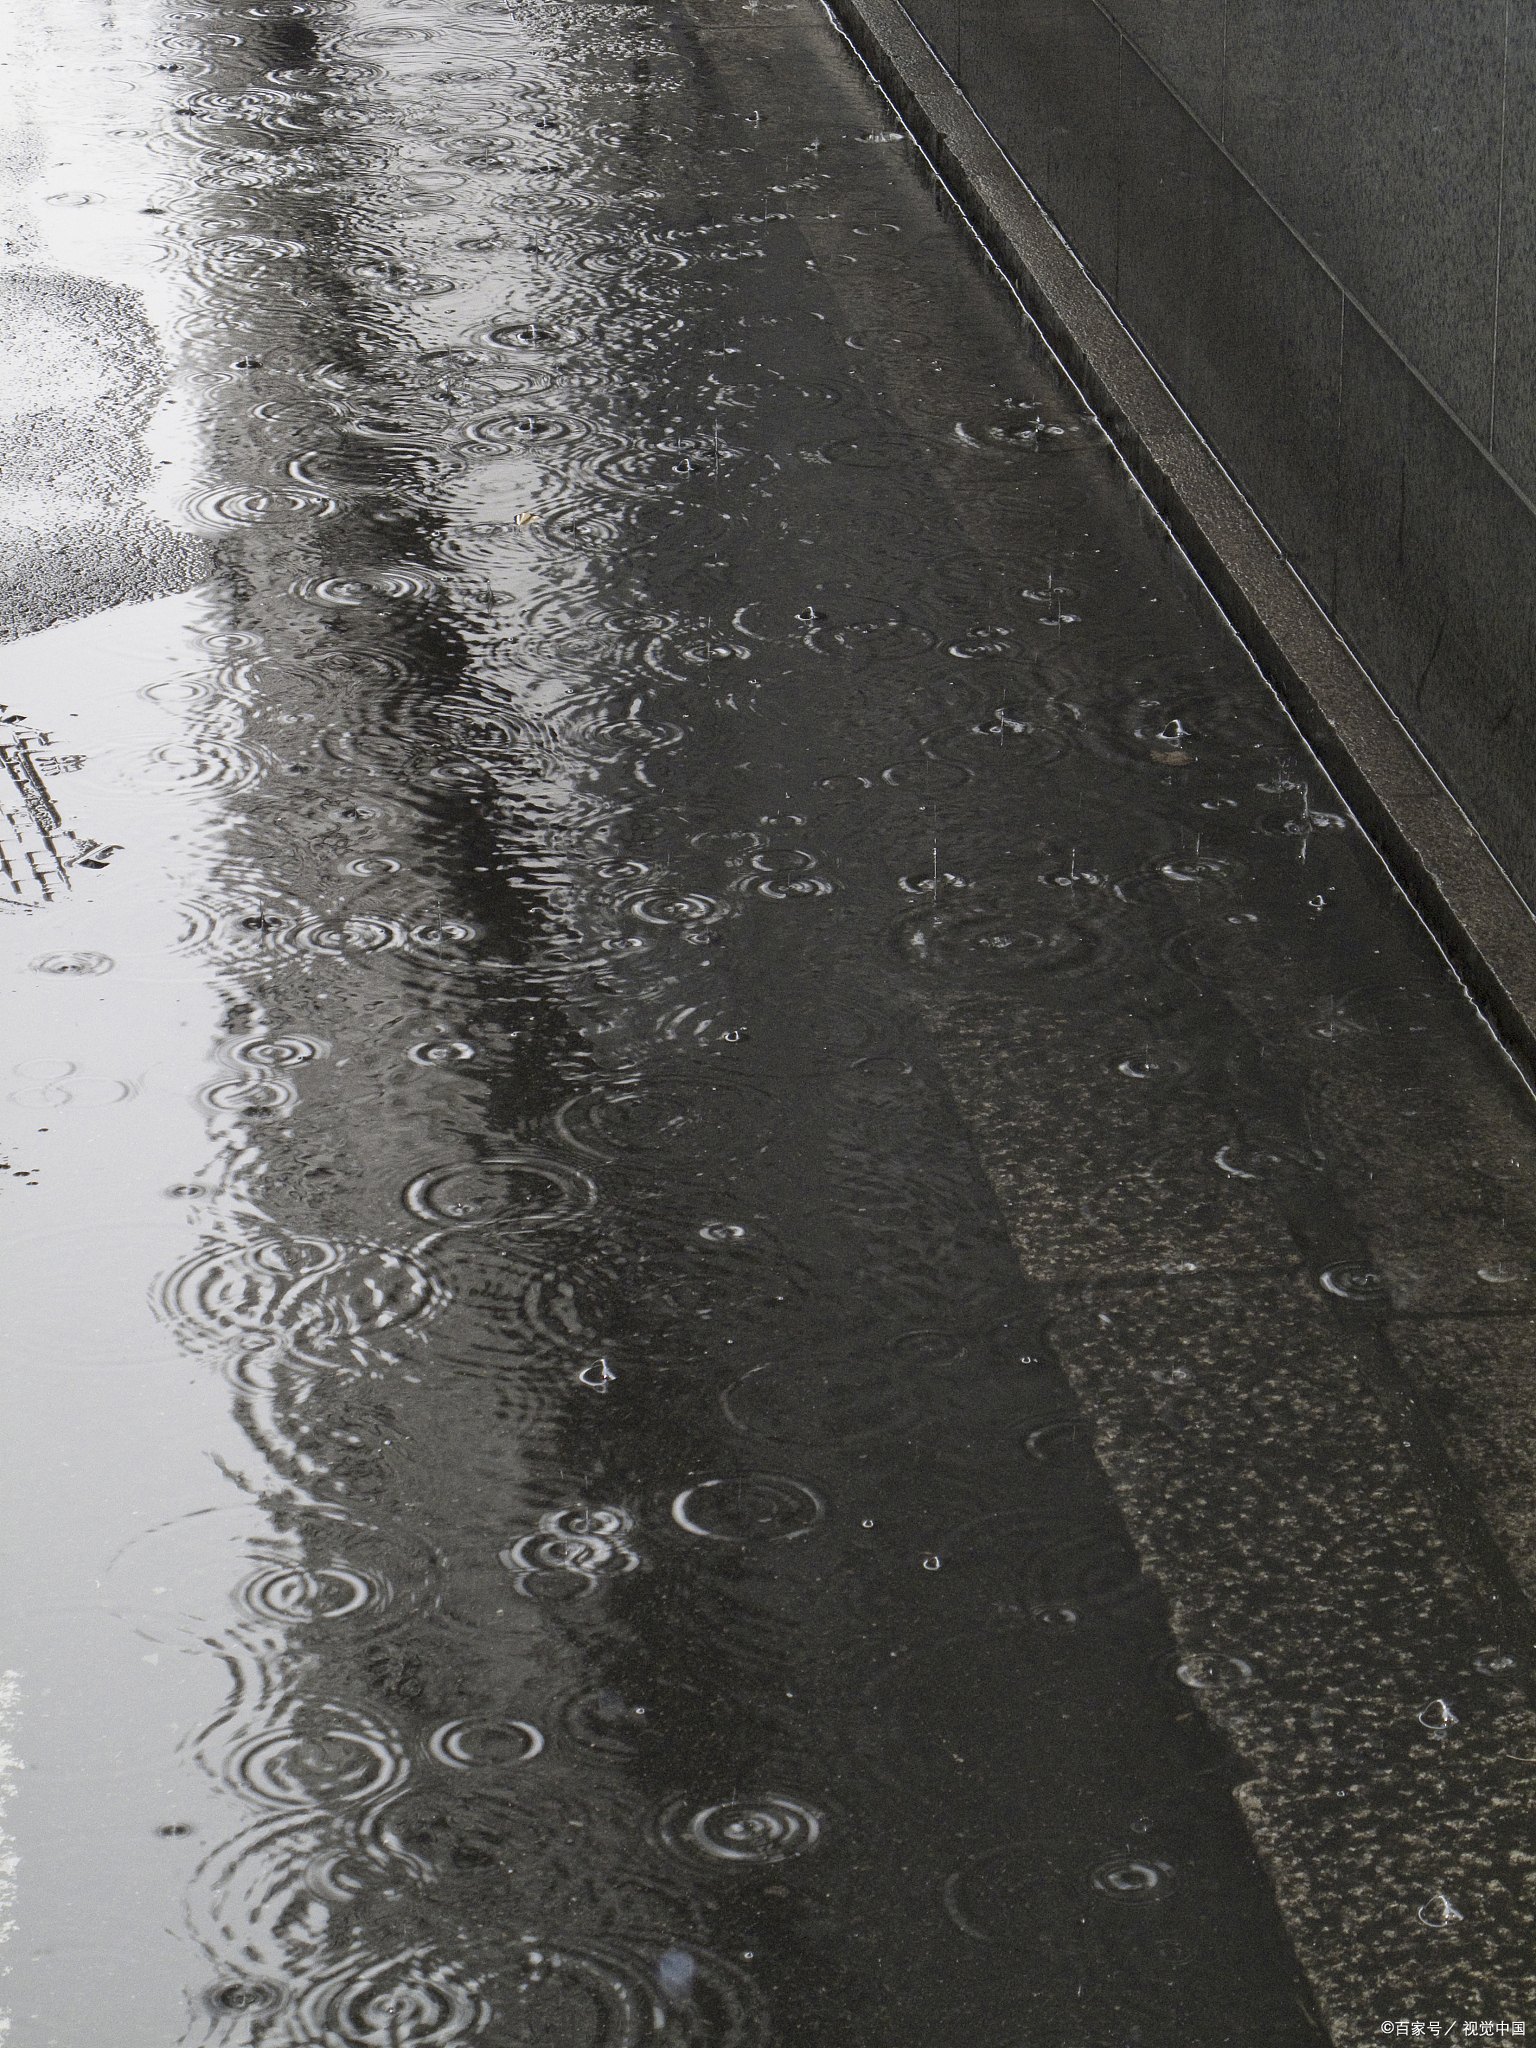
81, 370
1343, 1614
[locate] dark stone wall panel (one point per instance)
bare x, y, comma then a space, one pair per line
1514, 399
1241, 322
1375, 131
939, 21
1044, 76
1366, 140
1185, 42
1437, 591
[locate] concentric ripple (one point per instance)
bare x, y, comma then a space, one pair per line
340, 937
293, 1051
654, 906
1006, 944
441, 1052
1030, 735
760, 1508
333, 1759
302, 1593
1354, 1283
572, 1553
325, 1570
389, 585
245, 1997
521, 429
619, 1118
528, 1191
784, 887
72, 963
1214, 1671
262, 1097
297, 1288
1132, 1879
412, 2000
722, 1233
254, 505
468, 1825
190, 765
483, 1743
867, 642
770, 1829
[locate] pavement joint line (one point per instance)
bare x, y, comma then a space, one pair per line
1431, 847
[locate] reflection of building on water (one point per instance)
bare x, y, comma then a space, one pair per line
37, 849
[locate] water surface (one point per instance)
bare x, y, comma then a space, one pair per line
546, 1507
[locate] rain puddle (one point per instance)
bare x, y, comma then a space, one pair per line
544, 1505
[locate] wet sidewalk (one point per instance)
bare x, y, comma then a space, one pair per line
758, 1289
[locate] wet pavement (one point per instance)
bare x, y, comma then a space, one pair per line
758, 1291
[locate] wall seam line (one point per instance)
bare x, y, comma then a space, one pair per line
1498, 237
1119, 160
1338, 463
1226, 15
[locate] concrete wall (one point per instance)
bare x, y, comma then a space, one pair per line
1320, 223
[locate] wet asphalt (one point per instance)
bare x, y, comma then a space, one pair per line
759, 1290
